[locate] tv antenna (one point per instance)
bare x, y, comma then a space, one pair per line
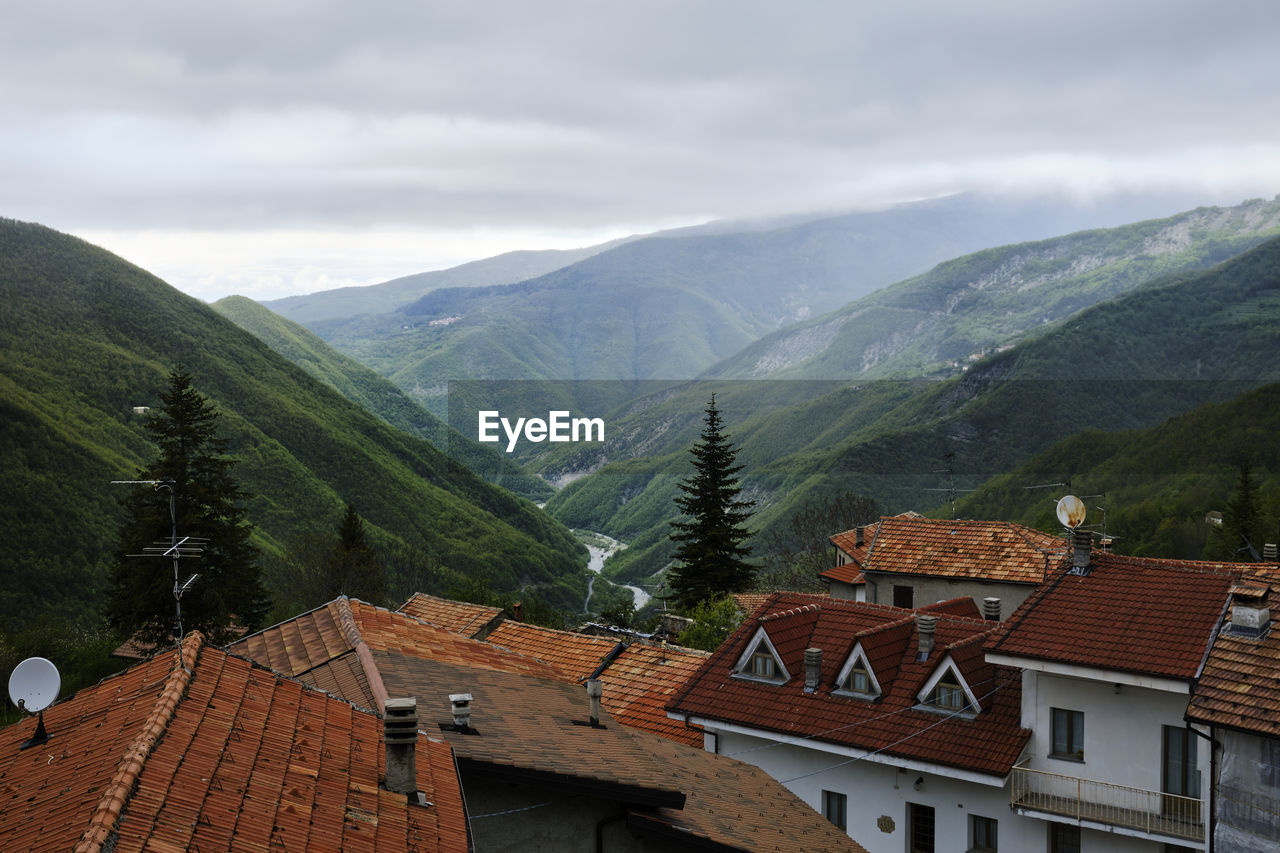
950, 489
175, 548
33, 685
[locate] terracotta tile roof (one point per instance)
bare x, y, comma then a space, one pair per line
750, 602
456, 616
989, 743
572, 655
636, 682
850, 573
673, 790
1129, 614
1240, 684
329, 647
990, 550
215, 753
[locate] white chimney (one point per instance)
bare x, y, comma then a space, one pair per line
812, 669
594, 689
400, 737
461, 704
926, 623
1250, 615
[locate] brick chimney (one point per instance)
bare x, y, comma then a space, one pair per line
1250, 615
812, 669
857, 536
991, 609
400, 736
926, 623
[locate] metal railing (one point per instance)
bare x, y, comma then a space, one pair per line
1102, 802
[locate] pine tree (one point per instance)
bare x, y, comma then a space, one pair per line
354, 568
710, 556
193, 480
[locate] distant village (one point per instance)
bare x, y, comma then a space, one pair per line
962, 685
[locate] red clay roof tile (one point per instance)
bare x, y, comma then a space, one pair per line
215, 753
1130, 614
991, 550
989, 743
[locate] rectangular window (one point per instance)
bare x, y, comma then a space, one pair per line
1180, 775
920, 824
1064, 838
1067, 734
903, 596
762, 664
983, 834
835, 808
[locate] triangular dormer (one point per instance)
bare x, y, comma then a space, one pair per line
857, 678
947, 691
761, 661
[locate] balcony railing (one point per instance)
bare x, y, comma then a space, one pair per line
1114, 805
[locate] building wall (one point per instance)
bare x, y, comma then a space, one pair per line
878, 796
1122, 729
928, 590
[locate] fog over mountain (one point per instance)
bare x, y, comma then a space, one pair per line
276, 149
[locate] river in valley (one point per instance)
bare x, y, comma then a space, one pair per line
601, 548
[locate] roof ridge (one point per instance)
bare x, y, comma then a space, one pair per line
352, 634
106, 817
794, 611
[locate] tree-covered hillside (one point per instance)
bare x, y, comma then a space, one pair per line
932, 325
671, 305
375, 394
86, 337
1152, 490
1165, 348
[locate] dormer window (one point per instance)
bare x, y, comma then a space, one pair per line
760, 661
946, 691
857, 679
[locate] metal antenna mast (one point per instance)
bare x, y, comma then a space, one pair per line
175, 549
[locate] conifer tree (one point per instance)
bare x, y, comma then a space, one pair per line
710, 556
354, 567
194, 472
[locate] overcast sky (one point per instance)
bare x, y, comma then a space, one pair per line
280, 146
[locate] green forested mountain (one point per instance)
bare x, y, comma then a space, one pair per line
86, 337
671, 305
375, 394
383, 298
1166, 347
934, 323
1152, 489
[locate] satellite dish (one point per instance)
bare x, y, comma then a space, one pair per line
33, 685
1071, 511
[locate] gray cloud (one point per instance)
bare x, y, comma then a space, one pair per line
574, 114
